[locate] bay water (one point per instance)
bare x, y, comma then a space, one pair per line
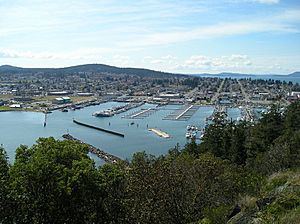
26, 127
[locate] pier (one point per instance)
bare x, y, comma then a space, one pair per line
100, 129
159, 133
182, 114
143, 113
108, 158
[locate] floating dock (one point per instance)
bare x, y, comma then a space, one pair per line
141, 114
248, 114
117, 110
159, 133
98, 152
182, 114
218, 111
100, 129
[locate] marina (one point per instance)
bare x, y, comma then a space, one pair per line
137, 136
247, 114
191, 132
218, 110
183, 114
140, 114
117, 110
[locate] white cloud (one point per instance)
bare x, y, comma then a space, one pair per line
166, 59
197, 62
120, 60
156, 61
267, 1
237, 57
268, 25
77, 54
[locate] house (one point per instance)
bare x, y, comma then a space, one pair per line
66, 99
15, 106
58, 100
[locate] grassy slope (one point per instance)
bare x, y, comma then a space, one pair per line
279, 201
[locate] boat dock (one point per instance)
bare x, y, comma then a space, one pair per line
248, 114
219, 111
100, 129
141, 114
160, 133
98, 152
182, 114
117, 110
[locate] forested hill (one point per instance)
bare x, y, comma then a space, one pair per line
87, 68
107, 69
295, 74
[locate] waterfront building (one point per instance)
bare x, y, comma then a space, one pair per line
61, 100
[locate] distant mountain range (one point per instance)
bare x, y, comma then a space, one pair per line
101, 68
295, 74
229, 74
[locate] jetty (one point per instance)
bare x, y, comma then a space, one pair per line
98, 128
160, 133
108, 158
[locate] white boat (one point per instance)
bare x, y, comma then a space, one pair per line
104, 113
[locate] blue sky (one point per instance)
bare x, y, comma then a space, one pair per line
188, 36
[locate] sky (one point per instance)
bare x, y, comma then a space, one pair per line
182, 36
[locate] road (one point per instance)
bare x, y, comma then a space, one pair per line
246, 96
215, 97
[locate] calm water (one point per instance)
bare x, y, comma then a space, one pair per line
25, 127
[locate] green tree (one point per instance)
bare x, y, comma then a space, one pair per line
111, 207
54, 182
5, 203
215, 139
265, 132
238, 151
292, 117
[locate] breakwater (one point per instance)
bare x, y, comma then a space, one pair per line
99, 129
108, 158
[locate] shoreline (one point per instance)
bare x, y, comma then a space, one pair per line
13, 110
107, 157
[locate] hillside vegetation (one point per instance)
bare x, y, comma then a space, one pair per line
240, 173
87, 68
